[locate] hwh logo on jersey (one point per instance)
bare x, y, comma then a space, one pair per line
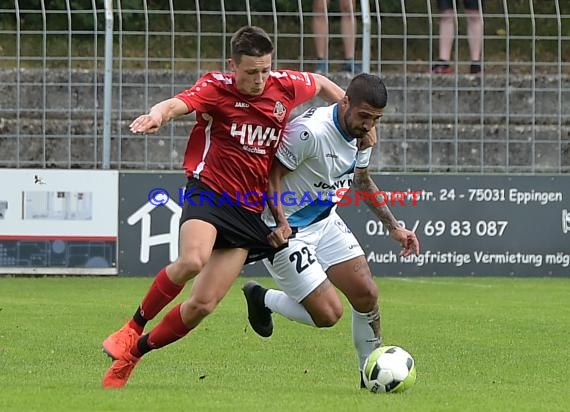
255, 135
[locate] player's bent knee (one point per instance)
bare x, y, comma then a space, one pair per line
371, 293
326, 321
366, 300
328, 317
189, 266
199, 309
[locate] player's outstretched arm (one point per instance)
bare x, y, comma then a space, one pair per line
407, 239
158, 115
282, 232
328, 90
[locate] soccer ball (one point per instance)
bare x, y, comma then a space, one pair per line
389, 369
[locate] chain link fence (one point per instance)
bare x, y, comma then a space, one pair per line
72, 79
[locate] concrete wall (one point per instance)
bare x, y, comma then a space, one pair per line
431, 123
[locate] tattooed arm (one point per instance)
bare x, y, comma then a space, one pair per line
407, 239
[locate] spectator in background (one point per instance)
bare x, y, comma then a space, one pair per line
348, 29
447, 34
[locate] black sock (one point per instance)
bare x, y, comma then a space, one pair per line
143, 346
138, 318
475, 67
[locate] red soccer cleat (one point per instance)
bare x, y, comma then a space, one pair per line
119, 344
118, 374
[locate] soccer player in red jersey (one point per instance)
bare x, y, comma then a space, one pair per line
239, 120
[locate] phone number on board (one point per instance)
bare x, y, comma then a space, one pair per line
455, 228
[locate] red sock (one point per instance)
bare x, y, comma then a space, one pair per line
161, 293
168, 330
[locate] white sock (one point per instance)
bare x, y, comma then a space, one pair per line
365, 334
279, 302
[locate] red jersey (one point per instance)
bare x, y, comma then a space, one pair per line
232, 145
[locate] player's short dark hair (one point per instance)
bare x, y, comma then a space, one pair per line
367, 88
250, 41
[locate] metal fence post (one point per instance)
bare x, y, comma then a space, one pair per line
365, 7
108, 84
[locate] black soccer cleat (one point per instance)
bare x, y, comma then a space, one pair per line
258, 315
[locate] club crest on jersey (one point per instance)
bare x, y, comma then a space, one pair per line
279, 111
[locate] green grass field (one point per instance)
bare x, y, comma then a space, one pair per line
480, 344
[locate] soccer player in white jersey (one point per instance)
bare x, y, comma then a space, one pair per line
317, 159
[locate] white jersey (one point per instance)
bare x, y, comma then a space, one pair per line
322, 158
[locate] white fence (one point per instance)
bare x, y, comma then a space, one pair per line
71, 79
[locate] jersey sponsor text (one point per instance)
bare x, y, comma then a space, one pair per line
255, 135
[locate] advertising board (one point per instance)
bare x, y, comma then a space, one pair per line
468, 225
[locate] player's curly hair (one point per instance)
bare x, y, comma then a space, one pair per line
367, 88
250, 41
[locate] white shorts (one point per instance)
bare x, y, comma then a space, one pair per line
300, 268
